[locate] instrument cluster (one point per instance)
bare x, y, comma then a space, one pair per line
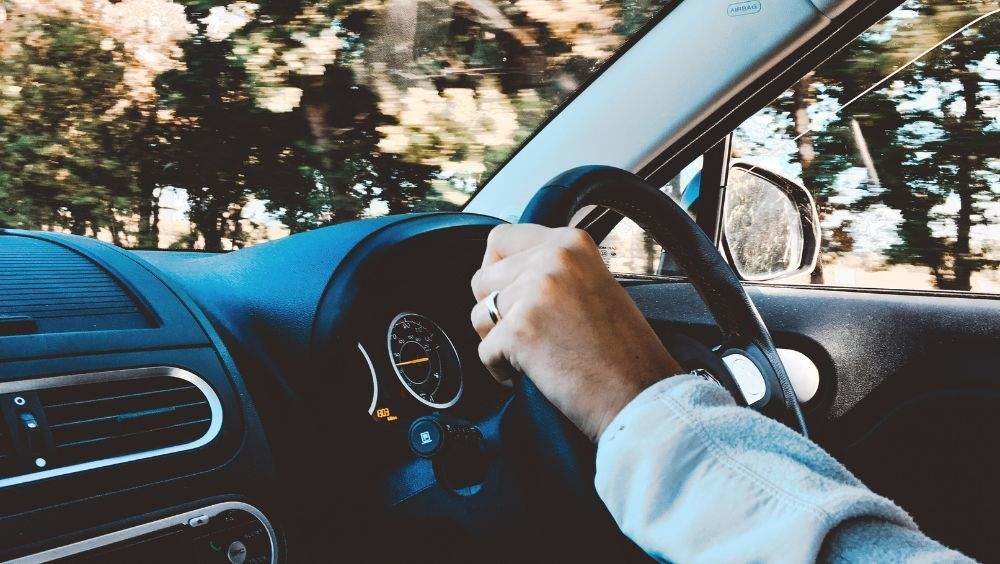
417, 370
414, 350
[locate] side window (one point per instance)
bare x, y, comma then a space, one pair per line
897, 137
629, 250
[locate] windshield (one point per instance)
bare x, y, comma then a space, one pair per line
193, 125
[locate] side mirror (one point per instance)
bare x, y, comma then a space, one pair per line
770, 225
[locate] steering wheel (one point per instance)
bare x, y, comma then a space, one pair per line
753, 371
561, 461
748, 350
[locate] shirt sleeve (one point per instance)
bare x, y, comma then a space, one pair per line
690, 476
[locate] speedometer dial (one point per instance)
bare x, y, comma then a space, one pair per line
425, 360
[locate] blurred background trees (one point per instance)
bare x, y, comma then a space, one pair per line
213, 125
906, 174
199, 124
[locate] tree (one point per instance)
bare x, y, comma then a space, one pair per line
214, 137
59, 93
923, 139
955, 141
317, 111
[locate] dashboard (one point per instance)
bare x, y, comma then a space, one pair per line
255, 406
241, 407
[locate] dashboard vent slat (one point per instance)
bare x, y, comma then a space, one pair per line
62, 289
109, 446
105, 419
6, 452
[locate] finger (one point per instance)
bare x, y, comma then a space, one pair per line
492, 352
481, 320
506, 240
501, 274
480, 315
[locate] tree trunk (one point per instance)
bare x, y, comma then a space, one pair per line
211, 226
963, 264
863, 153
807, 154
148, 210
237, 234
115, 227
213, 237
399, 35
651, 253
675, 189
78, 221
154, 229
803, 138
966, 180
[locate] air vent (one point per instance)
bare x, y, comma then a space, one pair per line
93, 420
6, 453
107, 419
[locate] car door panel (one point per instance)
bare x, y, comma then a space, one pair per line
909, 395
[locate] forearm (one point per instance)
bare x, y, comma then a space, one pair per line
689, 475
875, 540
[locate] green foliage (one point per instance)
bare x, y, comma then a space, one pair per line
309, 111
59, 137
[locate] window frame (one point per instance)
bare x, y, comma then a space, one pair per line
666, 164
704, 142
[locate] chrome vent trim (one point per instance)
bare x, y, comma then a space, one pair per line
180, 519
215, 407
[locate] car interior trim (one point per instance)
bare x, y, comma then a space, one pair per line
181, 519
832, 8
747, 375
215, 406
371, 368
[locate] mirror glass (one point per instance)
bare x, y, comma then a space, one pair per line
762, 227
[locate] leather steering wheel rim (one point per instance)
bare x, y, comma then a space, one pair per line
555, 204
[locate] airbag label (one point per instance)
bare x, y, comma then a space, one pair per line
744, 8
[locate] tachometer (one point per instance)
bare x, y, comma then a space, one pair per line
425, 360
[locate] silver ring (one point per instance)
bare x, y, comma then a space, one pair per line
492, 307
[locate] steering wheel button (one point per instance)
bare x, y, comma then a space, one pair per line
748, 377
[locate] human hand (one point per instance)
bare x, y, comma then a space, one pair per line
566, 323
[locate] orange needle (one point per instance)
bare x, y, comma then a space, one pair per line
414, 361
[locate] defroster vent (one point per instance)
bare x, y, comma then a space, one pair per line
50, 288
